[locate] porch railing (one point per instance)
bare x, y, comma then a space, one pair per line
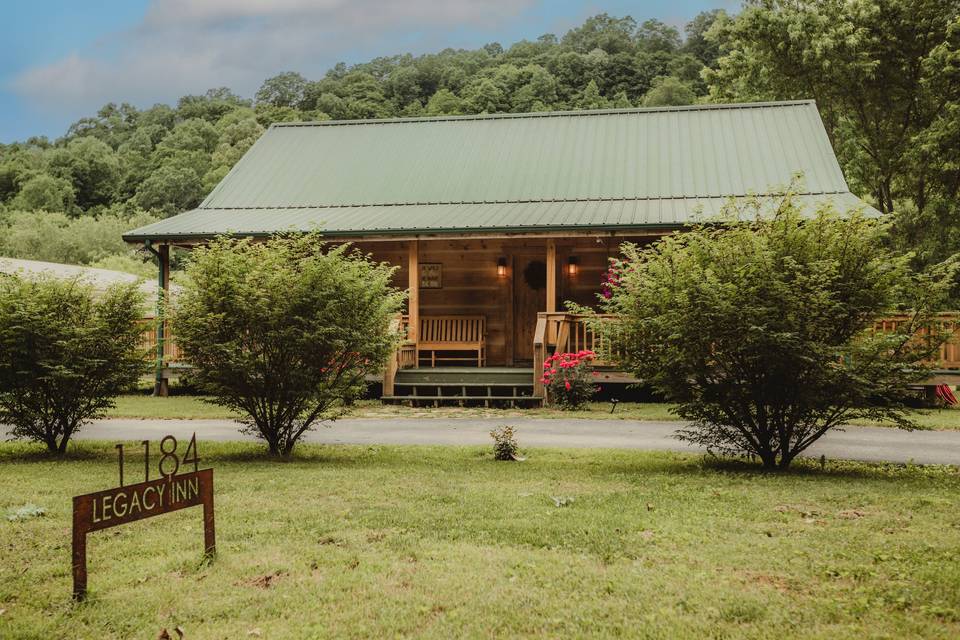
554, 333
569, 332
949, 356
403, 357
564, 333
148, 341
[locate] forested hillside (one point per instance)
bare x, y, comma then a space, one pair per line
885, 73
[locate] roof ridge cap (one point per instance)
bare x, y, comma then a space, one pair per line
548, 114
366, 205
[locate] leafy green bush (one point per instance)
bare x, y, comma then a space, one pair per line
761, 328
65, 353
569, 379
505, 445
284, 331
56, 237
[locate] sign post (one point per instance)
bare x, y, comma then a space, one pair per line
123, 504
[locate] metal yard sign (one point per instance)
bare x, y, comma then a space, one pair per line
172, 491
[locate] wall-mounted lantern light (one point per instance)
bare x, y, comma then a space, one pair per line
501, 267
572, 265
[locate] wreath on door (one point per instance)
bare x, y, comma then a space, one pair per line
535, 275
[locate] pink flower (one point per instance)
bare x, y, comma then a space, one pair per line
566, 383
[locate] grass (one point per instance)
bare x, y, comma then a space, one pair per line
170, 408
193, 407
348, 541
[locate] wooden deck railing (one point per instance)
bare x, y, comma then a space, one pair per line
148, 341
554, 333
569, 332
404, 357
949, 356
564, 333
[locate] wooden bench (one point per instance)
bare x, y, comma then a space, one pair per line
452, 333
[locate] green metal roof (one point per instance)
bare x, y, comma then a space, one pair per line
619, 169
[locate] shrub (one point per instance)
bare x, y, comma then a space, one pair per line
65, 353
56, 237
505, 445
761, 328
284, 331
569, 379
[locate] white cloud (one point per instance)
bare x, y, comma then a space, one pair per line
188, 46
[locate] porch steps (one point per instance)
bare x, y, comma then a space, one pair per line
464, 386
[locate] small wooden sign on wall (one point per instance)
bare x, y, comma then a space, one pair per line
431, 275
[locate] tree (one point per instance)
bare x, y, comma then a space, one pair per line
170, 189
444, 102
484, 96
283, 90
91, 166
871, 65
602, 32
591, 98
284, 331
211, 106
42, 192
236, 131
761, 328
654, 35
65, 353
667, 91
697, 43
56, 237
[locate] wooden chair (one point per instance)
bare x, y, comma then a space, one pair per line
452, 333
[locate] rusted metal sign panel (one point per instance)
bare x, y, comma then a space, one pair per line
123, 504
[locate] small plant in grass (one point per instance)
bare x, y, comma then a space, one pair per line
568, 378
505, 445
26, 512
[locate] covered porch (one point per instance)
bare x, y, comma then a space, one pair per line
482, 312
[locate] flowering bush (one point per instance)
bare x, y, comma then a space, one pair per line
613, 277
569, 378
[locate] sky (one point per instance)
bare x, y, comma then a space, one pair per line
61, 60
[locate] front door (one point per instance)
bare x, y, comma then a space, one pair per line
529, 298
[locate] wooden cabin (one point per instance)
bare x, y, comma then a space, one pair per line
496, 220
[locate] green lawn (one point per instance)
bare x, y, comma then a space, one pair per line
445, 542
173, 407
192, 407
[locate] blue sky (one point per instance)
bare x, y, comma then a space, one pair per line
61, 60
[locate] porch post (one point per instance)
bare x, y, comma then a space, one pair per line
551, 276
413, 299
161, 387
